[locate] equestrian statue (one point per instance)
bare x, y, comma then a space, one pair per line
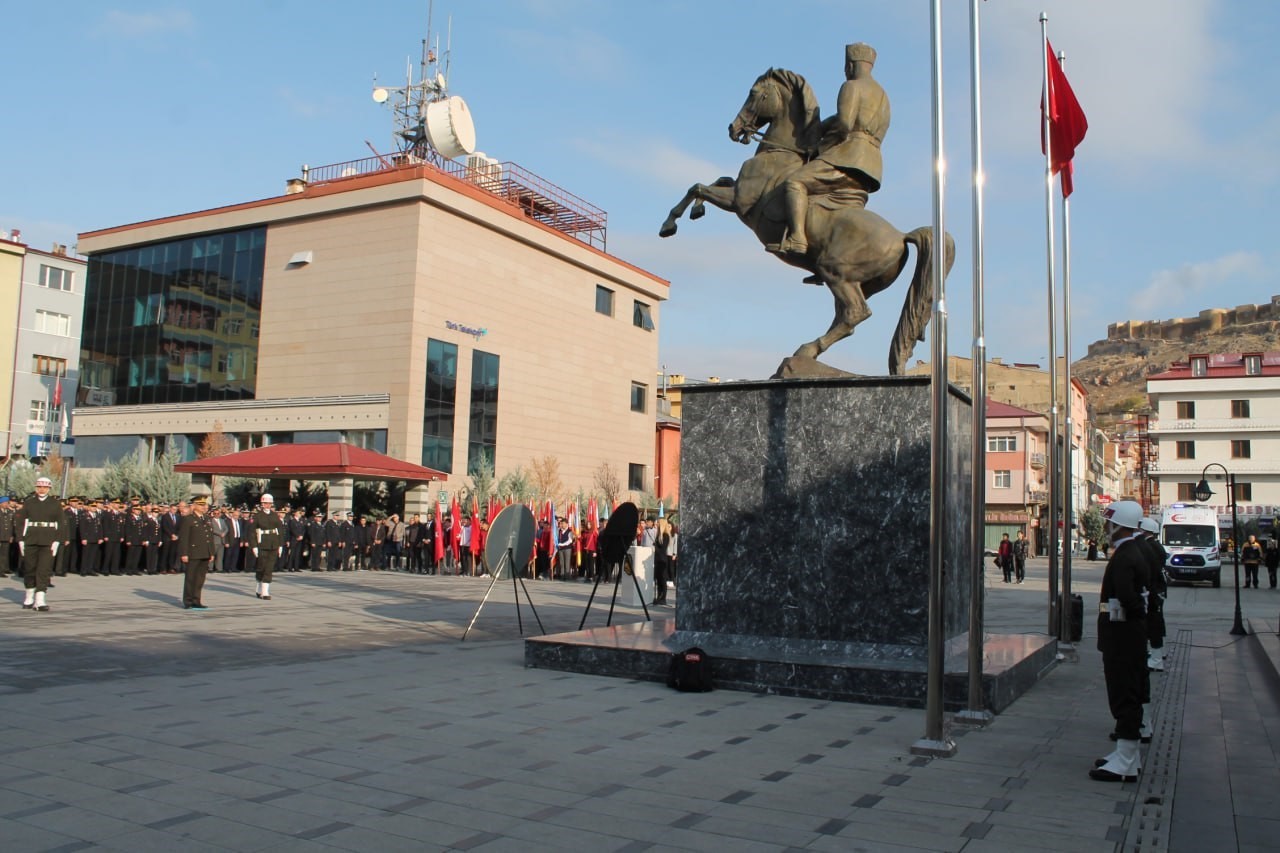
804, 194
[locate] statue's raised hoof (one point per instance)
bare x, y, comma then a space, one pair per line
814, 279
667, 230
699, 211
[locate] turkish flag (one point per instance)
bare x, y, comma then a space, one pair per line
1067, 124
57, 392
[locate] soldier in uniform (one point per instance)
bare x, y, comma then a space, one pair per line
169, 523
268, 539
296, 530
1122, 639
6, 535
1158, 590
66, 560
315, 541
135, 540
849, 165
112, 538
89, 528
41, 525
333, 541
151, 528
195, 552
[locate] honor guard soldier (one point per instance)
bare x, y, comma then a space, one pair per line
195, 552
40, 526
1122, 639
268, 533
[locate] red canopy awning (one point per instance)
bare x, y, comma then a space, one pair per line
311, 461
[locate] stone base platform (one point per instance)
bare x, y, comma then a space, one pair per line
1014, 662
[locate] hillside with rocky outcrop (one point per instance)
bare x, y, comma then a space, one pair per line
1114, 372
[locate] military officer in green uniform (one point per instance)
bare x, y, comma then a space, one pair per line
195, 552
39, 526
268, 539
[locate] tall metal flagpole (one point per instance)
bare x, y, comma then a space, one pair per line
935, 742
1054, 479
1068, 507
976, 713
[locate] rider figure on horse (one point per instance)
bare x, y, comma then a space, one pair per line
848, 166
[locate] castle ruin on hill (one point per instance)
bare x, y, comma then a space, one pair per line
1258, 318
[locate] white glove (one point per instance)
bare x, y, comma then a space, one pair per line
22, 547
53, 549
255, 552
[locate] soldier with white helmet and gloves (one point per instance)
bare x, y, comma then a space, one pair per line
1158, 591
39, 526
1122, 639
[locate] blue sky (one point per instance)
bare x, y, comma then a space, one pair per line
121, 112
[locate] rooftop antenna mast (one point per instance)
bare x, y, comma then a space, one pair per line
430, 125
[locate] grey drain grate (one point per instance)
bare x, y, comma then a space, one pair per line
1152, 808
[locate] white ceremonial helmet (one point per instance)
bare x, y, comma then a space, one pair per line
1124, 514
1150, 525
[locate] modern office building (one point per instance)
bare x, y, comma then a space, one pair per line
1219, 412
443, 314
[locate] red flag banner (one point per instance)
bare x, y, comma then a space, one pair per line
57, 392
1067, 124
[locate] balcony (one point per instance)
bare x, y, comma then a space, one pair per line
1037, 461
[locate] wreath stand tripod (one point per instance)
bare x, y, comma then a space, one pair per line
511, 533
614, 552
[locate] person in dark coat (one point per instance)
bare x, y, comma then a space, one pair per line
315, 541
268, 539
296, 529
195, 553
1157, 591
1004, 557
1122, 639
1273, 560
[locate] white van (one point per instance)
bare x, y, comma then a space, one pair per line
1189, 533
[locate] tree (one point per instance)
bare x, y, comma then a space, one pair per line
242, 491
310, 495
516, 485
1091, 523
21, 478
162, 484
216, 443
545, 476
123, 478
481, 476
608, 483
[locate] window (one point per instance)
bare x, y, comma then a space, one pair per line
1186, 491
441, 405
53, 323
1244, 492
232, 327
482, 443
1240, 449
1001, 479
1239, 408
1253, 365
1186, 410
41, 411
1199, 366
47, 365
1186, 450
642, 317
639, 396
604, 300
636, 477
1002, 443
55, 279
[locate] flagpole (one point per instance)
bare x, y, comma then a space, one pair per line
935, 741
1068, 509
1053, 484
977, 714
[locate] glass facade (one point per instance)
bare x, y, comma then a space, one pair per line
483, 442
173, 322
441, 405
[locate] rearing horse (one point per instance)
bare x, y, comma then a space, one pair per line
853, 251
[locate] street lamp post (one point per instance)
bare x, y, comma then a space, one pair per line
1203, 493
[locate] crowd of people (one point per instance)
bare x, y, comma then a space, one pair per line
94, 538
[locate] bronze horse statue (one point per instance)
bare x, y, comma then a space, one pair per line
853, 251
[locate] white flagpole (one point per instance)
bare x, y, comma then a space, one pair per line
1054, 480
976, 713
935, 741
1068, 507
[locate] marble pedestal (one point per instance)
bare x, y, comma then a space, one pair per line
804, 547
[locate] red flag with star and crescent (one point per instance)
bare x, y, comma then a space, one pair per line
1067, 123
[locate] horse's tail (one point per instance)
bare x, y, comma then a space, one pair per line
919, 302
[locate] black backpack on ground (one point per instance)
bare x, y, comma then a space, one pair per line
690, 671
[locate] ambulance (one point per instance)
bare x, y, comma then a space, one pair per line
1189, 533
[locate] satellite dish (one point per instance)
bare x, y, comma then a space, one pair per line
449, 127
512, 529
380, 95
440, 81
